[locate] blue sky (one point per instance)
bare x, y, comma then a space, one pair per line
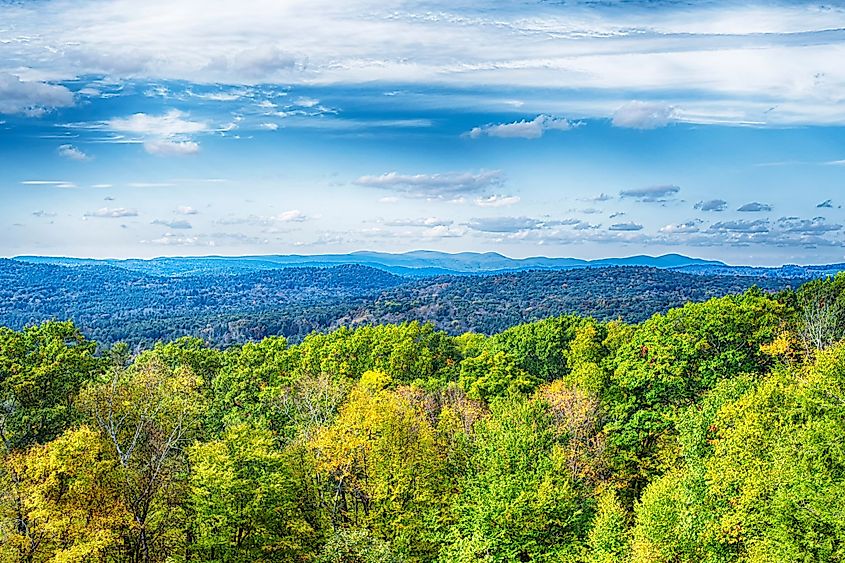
584, 129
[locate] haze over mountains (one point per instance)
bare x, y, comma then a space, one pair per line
421, 263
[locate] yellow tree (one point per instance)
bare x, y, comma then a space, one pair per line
68, 492
147, 415
379, 463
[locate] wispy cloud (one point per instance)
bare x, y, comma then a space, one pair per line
497, 201
51, 183
504, 224
709, 56
173, 223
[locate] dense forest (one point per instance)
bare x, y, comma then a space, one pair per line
712, 432
111, 304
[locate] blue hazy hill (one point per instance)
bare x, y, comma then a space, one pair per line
418, 263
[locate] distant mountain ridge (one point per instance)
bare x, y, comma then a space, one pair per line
228, 307
418, 263
427, 263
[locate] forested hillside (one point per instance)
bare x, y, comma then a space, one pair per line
111, 304
710, 433
493, 303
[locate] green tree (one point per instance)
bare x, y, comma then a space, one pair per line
518, 502
245, 499
42, 369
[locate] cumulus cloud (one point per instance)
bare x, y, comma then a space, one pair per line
173, 224
73, 153
42, 213
269, 126
445, 186
712, 205
167, 134
625, 227
112, 212
29, 97
523, 129
186, 210
814, 226
651, 194
755, 207
497, 201
643, 115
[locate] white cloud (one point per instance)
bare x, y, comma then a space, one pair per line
625, 227
165, 147
269, 126
643, 115
31, 97
711, 205
692, 226
712, 57
112, 212
497, 201
170, 124
73, 153
651, 194
523, 129
165, 135
446, 186
755, 207
186, 210
292, 216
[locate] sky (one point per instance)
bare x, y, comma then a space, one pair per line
556, 128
